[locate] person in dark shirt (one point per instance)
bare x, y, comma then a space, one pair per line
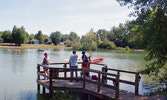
85, 63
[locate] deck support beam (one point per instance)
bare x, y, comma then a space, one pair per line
98, 89
38, 78
137, 83
43, 90
50, 83
65, 72
38, 88
83, 78
117, 87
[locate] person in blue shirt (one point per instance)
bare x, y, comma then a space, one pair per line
73, 63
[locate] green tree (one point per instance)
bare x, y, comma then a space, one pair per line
46, 38
19, 35
155, 39
152, 18
31, 37
64, 37
134, 37
106, 44
119, 36
1, 34
39, 37
55, 37
73, 36
102, 33
7, 36
89, 41
76, 45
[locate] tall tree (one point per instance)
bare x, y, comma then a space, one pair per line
55, 37
73, 36
7, 36
39, 37
134, 37
64, 37
19, 35
89, 41
1, 34
102, 33
31, 37
119, 36
46, 38
152, 16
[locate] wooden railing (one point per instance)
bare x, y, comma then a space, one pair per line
102, 75
99, 82
135, 83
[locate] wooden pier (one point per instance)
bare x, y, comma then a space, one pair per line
98, 88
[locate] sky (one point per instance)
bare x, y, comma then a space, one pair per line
62, 15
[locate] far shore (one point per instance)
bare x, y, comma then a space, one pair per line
42, 46
140, 50
31, 46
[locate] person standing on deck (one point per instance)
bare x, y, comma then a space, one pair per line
85, 63
46, 62
73, 63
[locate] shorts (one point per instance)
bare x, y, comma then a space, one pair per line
45, 68
73, 66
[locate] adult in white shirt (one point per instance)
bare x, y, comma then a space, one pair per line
73, 63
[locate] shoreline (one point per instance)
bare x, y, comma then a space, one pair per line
42, 46
32, 46
139, 50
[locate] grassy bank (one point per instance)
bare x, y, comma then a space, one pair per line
33, 46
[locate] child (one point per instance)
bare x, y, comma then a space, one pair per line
46, 62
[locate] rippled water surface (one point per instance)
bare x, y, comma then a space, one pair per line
18, 69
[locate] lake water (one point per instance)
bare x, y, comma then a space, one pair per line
18, 69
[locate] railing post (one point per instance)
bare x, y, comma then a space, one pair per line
38, 70
83, 70
98, 89
118, 72
65, 72
117, 87
137, 83
38, 77
50, 83
102, 75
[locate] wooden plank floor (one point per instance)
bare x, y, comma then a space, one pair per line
92, 89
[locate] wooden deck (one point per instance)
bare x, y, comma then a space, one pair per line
97, 88
90, 88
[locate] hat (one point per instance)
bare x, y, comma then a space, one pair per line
45, 54
83, 52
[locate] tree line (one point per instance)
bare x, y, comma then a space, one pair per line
118, 37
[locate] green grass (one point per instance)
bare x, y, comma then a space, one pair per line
35, 46
56, 96
164, 92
